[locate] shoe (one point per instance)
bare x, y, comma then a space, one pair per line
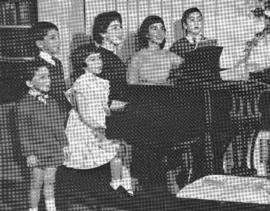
122, 193
126, 183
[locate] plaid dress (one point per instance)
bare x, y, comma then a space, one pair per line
87, 151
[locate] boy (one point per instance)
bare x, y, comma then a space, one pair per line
46, 37
192, 24
41, 134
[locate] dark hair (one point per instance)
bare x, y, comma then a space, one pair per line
144, 30
260, 11
78, 59
187, 13
267, 4
41, 29
31, 68
102, 22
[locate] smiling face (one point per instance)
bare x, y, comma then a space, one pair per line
93, 63
41, 80
156, 33
50, 43
114, 34
194, 23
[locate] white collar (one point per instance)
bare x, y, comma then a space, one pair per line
191, 38
47, 57
38, 95
109, 46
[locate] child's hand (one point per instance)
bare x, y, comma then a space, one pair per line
107, 111
31, 161
100, 133
66, 153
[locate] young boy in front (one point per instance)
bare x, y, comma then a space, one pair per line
41, 134
47, 41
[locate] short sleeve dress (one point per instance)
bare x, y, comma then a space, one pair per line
86, 151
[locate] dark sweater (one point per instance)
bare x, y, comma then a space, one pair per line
114, 70
41, 130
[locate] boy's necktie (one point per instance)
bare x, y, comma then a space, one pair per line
42, 98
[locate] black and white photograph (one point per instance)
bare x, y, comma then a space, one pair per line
134, 105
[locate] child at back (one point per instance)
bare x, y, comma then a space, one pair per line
41, 134
47, 41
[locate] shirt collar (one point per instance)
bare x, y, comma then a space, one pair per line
38, 95
191, 38
47, 57
108, 46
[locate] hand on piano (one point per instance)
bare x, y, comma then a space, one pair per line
253, 68
118, 106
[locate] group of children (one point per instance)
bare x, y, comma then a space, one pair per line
49, 137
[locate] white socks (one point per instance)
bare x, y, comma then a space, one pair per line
115, 183
126, 181
50, 205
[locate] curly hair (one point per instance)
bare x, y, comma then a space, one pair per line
144, 30
78, 59
102, 22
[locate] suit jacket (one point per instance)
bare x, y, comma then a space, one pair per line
41, 130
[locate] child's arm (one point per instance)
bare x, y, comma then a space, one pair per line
86, 114
175, 59
133, 70
85, 111
25, 132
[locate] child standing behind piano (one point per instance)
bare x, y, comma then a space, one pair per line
89, 147
192, 24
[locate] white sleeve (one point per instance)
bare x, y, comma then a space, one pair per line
85, 100
133, 74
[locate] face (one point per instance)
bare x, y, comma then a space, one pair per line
94, 63
267, 19
194, 23
51, 42
41, 80
114, 34
156, 33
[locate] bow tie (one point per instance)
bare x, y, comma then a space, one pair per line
42, 98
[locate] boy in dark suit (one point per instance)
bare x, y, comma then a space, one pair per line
46, 37
41, 133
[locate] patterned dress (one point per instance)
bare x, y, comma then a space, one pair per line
87, 151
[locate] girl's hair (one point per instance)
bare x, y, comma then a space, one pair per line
144, 30
78, 59
102, 22
187, 13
